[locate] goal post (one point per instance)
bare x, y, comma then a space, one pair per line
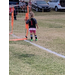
26, 18
12, 18
18, 27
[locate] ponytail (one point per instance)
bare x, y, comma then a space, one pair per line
31, 15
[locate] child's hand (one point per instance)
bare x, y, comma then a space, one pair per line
37, 27
24, 19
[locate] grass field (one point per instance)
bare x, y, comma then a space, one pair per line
26, 59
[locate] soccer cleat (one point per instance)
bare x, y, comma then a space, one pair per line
26, 36
36, 39
31, 40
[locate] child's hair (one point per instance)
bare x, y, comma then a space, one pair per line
31, 14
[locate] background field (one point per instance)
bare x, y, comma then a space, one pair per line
26, 59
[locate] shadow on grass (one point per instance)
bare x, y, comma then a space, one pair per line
23, 57
27, 58
26, 55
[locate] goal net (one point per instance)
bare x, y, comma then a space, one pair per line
17, 26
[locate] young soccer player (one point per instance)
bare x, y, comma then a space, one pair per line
32, 25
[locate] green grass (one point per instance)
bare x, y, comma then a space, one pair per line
26, 59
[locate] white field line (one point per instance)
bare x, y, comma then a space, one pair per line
48, 50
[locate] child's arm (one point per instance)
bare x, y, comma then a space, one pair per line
27, 21
36, 23
37, 26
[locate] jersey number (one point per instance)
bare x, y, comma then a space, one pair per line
31, 23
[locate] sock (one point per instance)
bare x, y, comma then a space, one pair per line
35, 36
31, 36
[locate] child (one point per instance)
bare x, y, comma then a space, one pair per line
32, 25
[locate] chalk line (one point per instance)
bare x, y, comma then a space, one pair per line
48, 50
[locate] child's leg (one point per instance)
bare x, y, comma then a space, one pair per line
35, 35
31, 35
